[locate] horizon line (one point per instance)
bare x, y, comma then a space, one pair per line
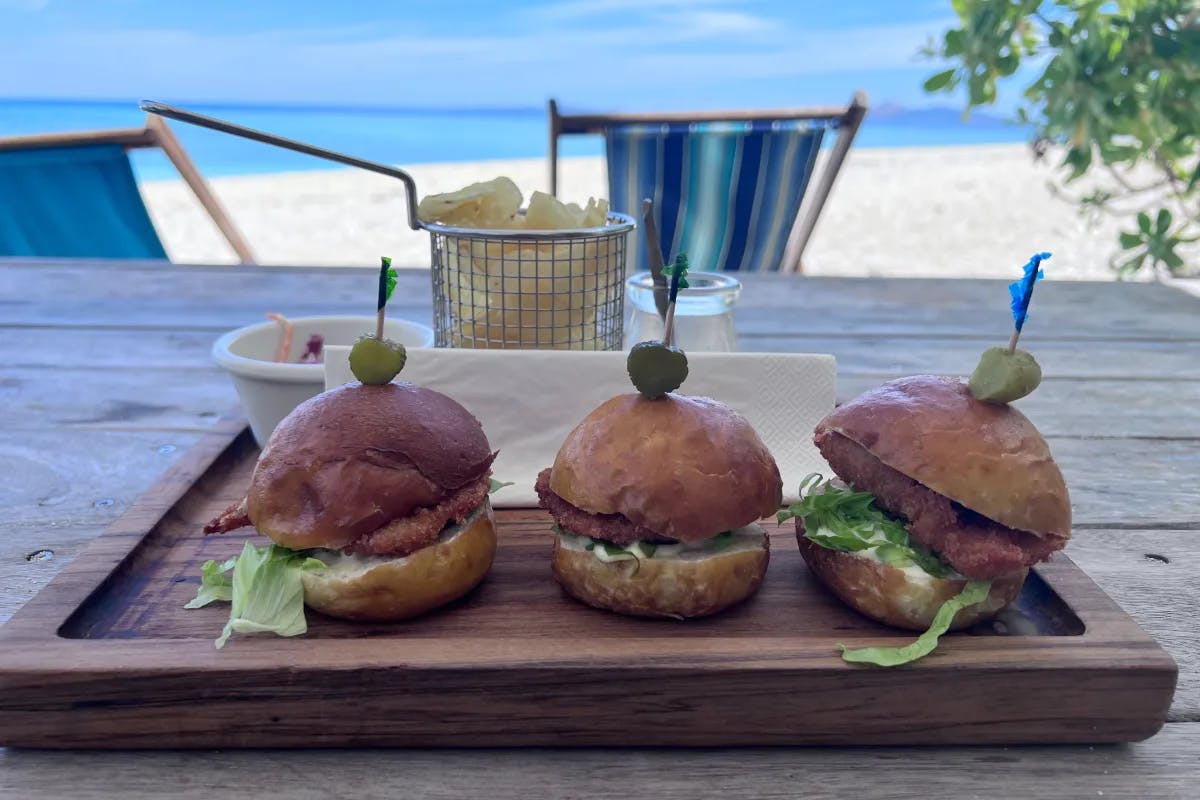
248, 105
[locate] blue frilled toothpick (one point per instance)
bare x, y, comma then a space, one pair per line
1022, 292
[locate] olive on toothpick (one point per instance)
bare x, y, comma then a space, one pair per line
374, 360
657, 368
1005, 374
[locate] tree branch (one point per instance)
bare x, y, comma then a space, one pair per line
1118, 177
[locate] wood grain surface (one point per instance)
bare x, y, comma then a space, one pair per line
1162, 768
518, 663
133, 339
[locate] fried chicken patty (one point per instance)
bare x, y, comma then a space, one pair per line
397, 538
615, 528
232, 518
976, 546
421, 528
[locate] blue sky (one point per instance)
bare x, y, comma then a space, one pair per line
626, 54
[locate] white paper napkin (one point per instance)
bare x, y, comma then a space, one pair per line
528, 400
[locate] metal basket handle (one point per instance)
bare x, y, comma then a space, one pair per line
192, 118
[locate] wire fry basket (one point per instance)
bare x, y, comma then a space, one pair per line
541, 289
545, 290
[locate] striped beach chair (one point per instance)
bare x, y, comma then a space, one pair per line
74, 195
729, 188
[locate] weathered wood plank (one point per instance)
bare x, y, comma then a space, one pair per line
60, 473
886, 355
31, 557
878, 356
1155, 577
1131, 482
226, 297
157, 398
185, 298
58, 479
1162, 768
1095, 408
136, 398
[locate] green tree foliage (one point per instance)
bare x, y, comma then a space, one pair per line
1120, 90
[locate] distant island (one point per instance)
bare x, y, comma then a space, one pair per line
935, 117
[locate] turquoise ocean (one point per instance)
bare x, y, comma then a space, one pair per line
412, 135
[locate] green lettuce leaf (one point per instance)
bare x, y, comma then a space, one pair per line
974, 592
495, 485
721, 541
215, 583
265, 592
843, 519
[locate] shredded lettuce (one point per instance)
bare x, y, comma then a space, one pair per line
265, 591
721, 541
636, 551
609, 553
973, 593
846, 520
215, 583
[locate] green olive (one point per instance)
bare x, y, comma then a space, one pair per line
656, 369
1002, 377
376, 361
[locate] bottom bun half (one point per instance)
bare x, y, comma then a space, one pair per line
379, 589
676, 588
897, 597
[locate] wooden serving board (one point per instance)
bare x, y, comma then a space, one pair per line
107, 657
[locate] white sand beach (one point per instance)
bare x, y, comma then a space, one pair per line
964, 211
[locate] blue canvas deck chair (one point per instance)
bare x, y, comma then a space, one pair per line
73, 195
730, 188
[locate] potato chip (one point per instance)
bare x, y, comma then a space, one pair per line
492, 204
548, 213
595, 214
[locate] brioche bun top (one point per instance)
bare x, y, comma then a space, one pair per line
984, 456
354, 458
687, 468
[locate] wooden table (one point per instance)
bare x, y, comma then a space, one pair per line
108, 380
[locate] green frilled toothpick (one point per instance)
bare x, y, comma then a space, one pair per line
387, 285
375, 360
1005, 374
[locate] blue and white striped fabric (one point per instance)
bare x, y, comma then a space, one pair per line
725, 193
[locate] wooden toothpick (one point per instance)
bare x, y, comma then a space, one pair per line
654, 257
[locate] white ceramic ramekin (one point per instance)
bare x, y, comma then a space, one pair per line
269, 390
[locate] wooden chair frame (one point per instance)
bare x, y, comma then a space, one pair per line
849, 118
155, 134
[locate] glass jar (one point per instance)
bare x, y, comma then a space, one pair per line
703, 312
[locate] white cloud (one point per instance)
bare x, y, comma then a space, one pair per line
661, 19
621, 60
722, 23
582, 9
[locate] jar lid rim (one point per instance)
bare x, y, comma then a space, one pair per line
702, 283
